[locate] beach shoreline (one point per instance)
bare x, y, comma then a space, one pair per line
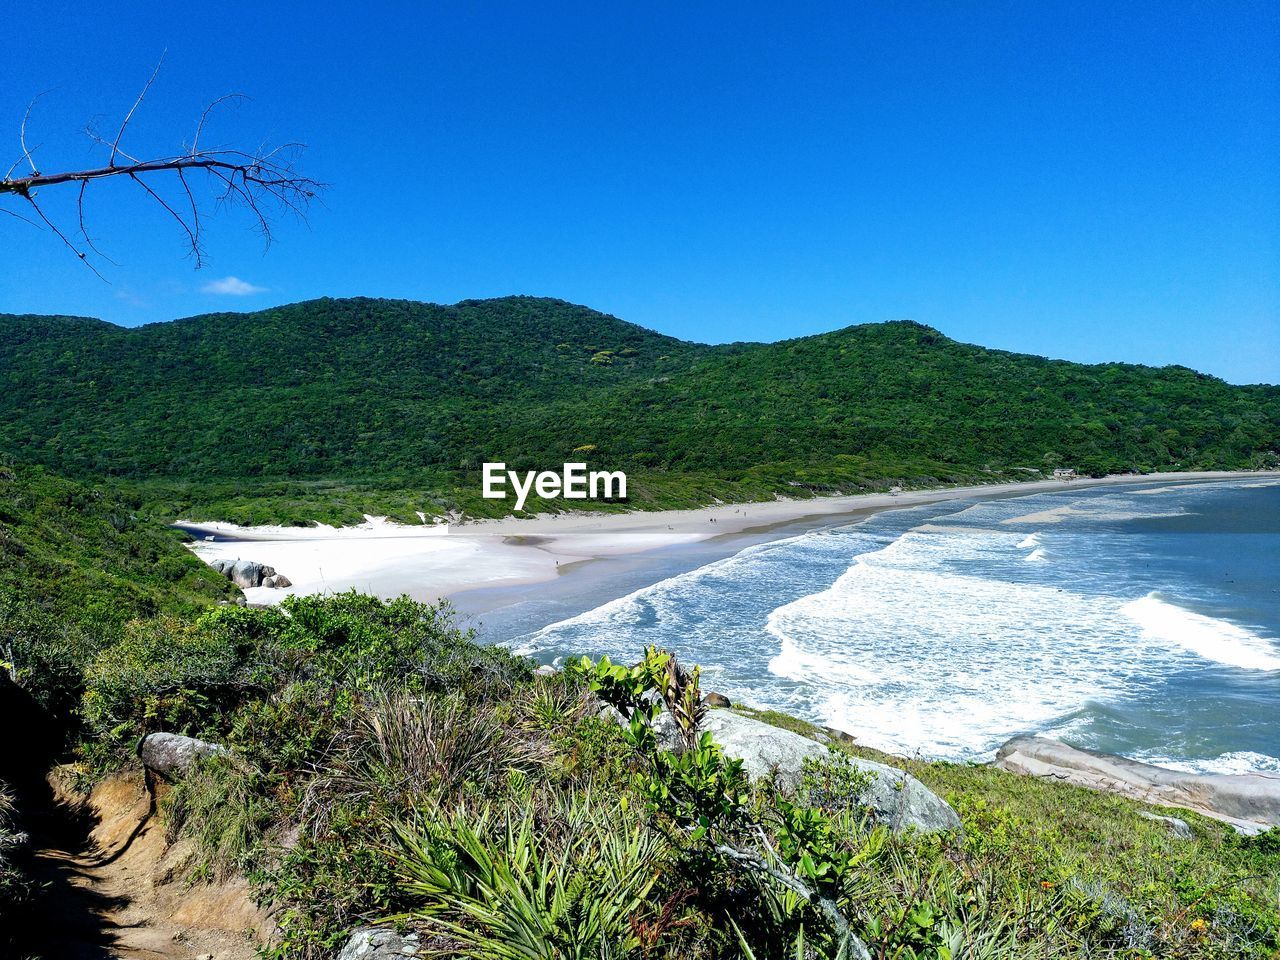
432, 562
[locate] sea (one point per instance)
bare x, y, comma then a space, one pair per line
1141, 620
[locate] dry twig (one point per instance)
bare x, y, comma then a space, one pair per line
265, 181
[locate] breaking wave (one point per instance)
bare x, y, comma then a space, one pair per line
1215, 640
926, 631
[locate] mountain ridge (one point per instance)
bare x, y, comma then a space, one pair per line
373, 388
531, 298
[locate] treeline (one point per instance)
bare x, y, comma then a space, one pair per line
370, 389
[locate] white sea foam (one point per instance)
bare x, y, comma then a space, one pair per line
938, 640
914, 659
1216, 640
1235, 762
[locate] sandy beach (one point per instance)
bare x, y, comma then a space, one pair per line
435, 561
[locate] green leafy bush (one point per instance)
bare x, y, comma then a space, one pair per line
548, 878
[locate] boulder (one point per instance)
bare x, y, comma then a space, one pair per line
379, 943
268, 571
282, 581
223, 566
717, 700
896, 798
545, 670
170, 754
1250, 802
245, 574
839, 736
1179, 828
270, 582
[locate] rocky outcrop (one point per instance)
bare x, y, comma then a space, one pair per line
1249, 802
717, 700
246, 574
896, 798
379, 943
171, 755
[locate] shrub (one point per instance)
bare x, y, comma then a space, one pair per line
506, 884
165, 675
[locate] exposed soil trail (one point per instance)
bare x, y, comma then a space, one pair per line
117, 888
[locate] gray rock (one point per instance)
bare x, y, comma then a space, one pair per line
270, 582
545, 670
717, 700
379, 943
268, 571
282, 581
170, 754
223, 566
839, 736
896, 798
1179, 828
245, 574
1250, 802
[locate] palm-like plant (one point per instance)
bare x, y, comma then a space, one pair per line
515, 886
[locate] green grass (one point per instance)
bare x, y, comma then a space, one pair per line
1093, 860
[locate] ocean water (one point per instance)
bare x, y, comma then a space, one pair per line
1140, 620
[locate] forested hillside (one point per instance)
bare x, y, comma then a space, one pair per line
369, 390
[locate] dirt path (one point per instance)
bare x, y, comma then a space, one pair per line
118, 889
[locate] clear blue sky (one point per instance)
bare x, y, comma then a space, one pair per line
1084, 180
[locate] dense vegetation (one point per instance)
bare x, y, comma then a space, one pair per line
375, 396
382, 766
77, 567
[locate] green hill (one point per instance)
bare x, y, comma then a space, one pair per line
389, 392
76, 565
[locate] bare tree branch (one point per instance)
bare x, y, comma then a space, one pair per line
18, 216
61, 236
225, 98
83, 231
264, 179
115, 146
192, 236
22, 136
